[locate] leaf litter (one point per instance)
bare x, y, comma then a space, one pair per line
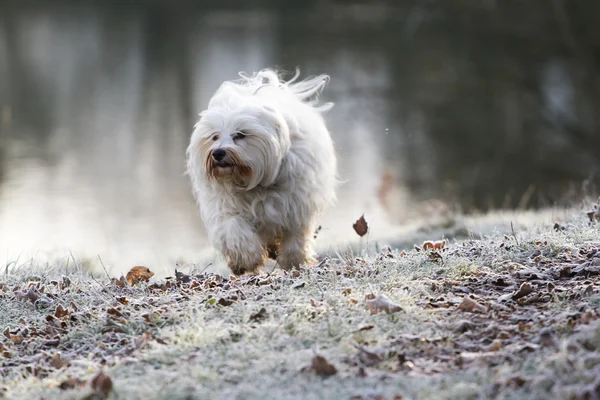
503, 312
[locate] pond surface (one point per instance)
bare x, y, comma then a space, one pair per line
97, 103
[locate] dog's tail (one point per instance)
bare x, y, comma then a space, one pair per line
306, 90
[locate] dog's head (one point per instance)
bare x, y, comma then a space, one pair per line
240, 140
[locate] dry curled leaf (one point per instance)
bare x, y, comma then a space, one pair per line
71, 384
381, 304
121, 282
470, 305
58, 362
525, 289
260, 315
32, 294
181, 277
139, 274
322, 367
367, 357
361, 227
17, 339
61, 311
434, 245
101, 384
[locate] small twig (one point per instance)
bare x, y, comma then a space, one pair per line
205, 268
513, 232
101, 263
75, 261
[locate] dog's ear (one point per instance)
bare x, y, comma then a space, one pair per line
280, 125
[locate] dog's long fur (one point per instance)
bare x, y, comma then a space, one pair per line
278, 174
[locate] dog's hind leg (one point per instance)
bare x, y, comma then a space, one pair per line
296, 248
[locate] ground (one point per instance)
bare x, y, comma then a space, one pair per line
506, 316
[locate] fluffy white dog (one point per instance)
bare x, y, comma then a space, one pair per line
262, 167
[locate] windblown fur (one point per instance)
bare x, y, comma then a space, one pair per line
262, 166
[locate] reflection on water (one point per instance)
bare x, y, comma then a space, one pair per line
97, 104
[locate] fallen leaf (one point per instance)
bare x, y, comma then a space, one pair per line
463, 326
114, 312
123, 300
260, 315
58, 362
299, 285
60, 311
31, 294
71, 384
139, 274
225, 302
594, 215
17, 339
380, 304
322, 367
51, 343
434, 245
121, 282
366, 328
101, 384
181, 277
470, 305
525, 289
367, 357
361, 227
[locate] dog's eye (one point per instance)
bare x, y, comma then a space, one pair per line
239, 135
215, 138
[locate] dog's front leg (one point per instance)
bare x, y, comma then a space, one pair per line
239, 244
296, 248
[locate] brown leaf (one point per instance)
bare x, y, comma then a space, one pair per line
17, 339
139, 274
225, 302
525, 289
361, 227
60, 311
260, 315
114, 312
51, 343
101, 384
32, 294
121, 282
299, 285
181, 277
58, 362
322, 367
380, 304
366, 328
71, 384
434, 245
470, 305
367, 357
594, 215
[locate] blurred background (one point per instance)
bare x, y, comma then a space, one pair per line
460, 105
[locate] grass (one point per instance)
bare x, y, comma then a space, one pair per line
202, 336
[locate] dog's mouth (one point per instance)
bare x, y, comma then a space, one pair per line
223, 165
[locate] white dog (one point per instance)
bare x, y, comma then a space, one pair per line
262, 167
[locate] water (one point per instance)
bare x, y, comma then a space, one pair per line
98, 101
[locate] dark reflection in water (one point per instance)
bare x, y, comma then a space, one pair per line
491, 104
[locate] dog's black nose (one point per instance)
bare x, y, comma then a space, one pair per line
219, 154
